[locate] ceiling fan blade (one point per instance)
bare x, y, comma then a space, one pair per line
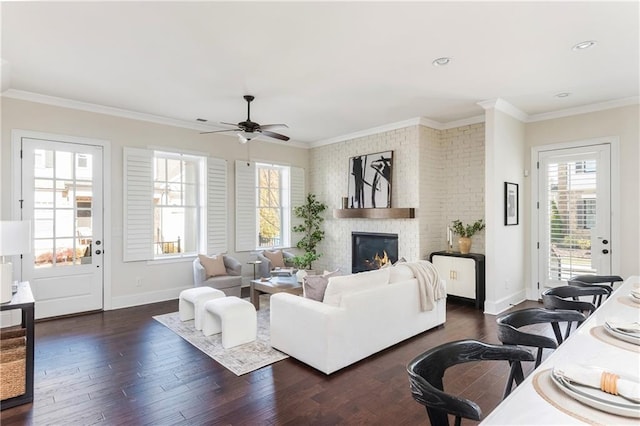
274, 135
221, 131
229, 124
273, 126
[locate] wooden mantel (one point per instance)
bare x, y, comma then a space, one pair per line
393, 213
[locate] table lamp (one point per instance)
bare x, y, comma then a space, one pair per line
15, 238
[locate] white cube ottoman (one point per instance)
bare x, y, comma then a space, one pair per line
192, 300
234, 317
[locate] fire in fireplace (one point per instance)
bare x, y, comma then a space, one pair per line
371, 250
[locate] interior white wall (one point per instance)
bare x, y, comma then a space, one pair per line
623, 123
504, 263
159, 280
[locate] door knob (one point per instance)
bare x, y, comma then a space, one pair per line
605, 251
605, 241
98, 251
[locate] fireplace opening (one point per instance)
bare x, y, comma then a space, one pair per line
371, 250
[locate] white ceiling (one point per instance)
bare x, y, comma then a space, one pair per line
325, 69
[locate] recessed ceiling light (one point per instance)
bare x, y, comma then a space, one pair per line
584, 45
440, 62
563, 95
202, 120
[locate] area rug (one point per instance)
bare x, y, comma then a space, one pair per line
241, 359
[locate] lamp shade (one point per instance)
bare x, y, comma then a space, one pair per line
15, 237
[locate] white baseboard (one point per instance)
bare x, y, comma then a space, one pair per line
499, 306
146, 298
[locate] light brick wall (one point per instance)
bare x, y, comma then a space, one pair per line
432, 192
440, 173
328, 179
464, 178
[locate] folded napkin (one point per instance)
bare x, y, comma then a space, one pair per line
600, 379
625, 327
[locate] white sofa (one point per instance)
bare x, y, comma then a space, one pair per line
353, 321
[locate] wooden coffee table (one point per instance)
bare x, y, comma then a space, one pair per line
272, 286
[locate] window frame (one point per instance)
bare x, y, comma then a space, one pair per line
138, 206
246, 223
284, 209
199, 207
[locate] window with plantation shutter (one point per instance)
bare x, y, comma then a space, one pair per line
297, 199
138, 204
216, 206
175, 205
265, 197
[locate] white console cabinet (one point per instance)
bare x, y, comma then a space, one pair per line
463, 274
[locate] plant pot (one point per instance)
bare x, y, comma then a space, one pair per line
464, 243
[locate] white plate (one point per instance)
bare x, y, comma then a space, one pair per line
596, 398
627, 337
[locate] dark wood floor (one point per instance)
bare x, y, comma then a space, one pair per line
123, 367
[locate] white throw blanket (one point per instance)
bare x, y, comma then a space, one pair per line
429, 283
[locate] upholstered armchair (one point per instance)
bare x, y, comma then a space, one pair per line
266, 266
229, 281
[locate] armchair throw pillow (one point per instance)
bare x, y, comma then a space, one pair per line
213, 265
275, 257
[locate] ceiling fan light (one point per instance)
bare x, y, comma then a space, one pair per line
245, 137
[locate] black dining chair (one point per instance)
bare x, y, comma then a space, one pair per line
509, 324
568, 298
603, 281
427, 370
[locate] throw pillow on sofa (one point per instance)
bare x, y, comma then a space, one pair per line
314, 286
275, 257
213, 265
352, 283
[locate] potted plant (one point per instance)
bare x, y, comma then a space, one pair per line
310, 213
466, 232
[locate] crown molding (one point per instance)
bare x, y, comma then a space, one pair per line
367, 132
602, 106
504, 106
123, 113
498, 104
100, 109
462, 122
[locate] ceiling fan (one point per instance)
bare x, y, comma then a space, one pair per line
248, 130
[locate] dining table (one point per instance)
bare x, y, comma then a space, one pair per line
546, 397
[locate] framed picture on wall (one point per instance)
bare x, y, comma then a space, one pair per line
510, 203
370, 180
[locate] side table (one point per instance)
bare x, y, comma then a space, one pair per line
464, 275
23, 299
254, 263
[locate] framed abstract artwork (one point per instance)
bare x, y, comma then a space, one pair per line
370, 180
510, 203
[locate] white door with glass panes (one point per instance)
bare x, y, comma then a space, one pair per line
62, 196
574, 213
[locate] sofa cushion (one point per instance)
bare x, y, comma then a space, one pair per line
400, 272
340, 285
275, 257
213, 265
314, 286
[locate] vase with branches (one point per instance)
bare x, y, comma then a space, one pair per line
466, 232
